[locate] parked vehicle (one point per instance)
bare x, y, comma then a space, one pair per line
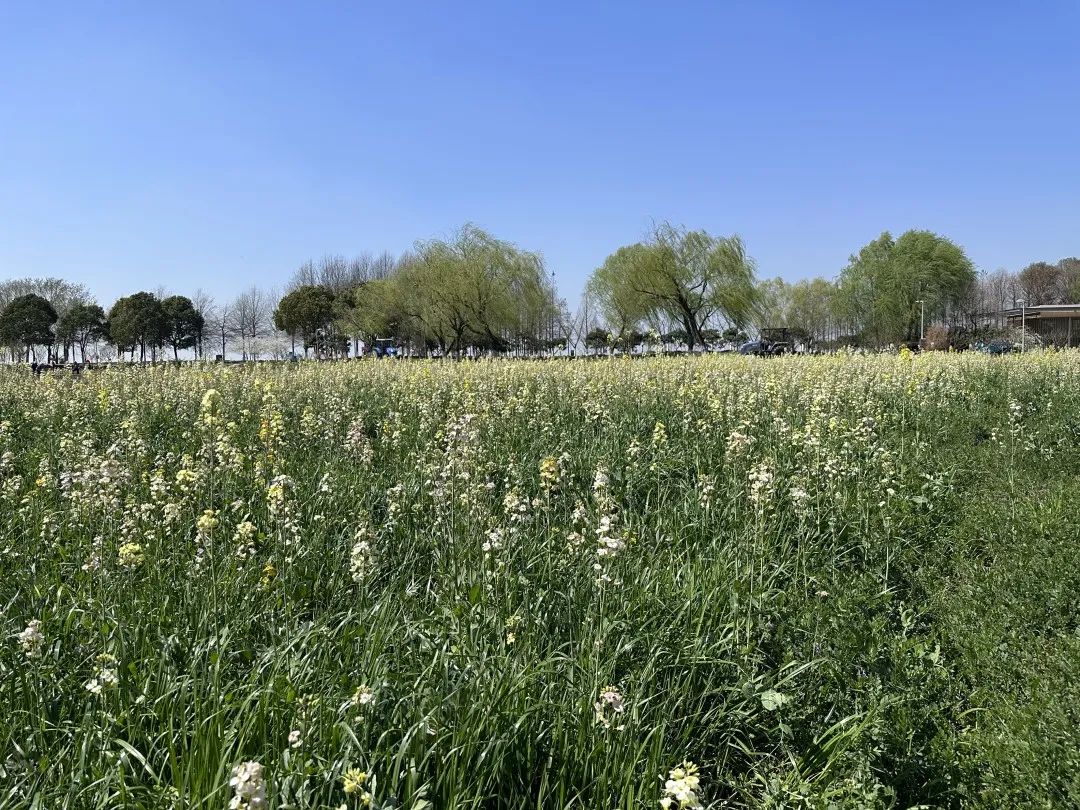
999, 346
771, 343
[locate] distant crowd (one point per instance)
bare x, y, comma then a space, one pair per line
76, 369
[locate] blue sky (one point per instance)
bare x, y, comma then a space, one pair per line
220, 144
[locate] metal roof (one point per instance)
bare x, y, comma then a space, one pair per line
1046, 310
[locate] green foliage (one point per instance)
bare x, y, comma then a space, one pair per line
306, 311
879, 290
81, 324
473, 289
27, 321
183, 325
678, 276
138, 321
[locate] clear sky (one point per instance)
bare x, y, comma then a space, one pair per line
221, 144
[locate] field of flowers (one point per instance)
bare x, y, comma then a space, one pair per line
712, 582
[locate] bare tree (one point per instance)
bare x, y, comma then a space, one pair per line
220, 323
1043, 283
339, 274
251, 314
333, 273
203, 303
995, 292
383, 266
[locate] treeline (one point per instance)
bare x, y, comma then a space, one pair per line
472, 292
691, 288
445, 296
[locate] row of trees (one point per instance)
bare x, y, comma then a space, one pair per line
693, 281
472, 291
446, 295
696, 288
62, 324
892, 289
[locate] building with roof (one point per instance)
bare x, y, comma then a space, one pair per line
1055, 324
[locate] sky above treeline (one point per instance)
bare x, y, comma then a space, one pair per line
222, 144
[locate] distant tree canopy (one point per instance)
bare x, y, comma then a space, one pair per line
1044, 283
81, 325
680, 276
138, 322
471, 290
446, 294
60, 294
880, 288
27, 321
182, 324
305, 312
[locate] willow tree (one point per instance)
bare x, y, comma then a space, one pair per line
882, 285
621, 306
688, 277
472, 288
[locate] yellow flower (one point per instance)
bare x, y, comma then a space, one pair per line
210, 400
130, 555
207, 522
353, 780
268, 575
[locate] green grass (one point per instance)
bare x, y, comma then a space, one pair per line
835, 582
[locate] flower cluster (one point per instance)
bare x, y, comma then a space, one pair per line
245, 538
609, 541
32, 639
609, 708
362, 556
681, 788
130, 555
105, 675
761, 484
249, 787
354, 784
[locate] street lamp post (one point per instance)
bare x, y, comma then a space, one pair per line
1023, 324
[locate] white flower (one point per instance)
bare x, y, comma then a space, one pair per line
601, 481
245, 538
32, 639
248, 786
608, 706
682, 787
761, 483
105, 677
363, 696
362, 556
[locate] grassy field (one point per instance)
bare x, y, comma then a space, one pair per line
825, 582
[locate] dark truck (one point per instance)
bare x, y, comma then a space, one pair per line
770, 343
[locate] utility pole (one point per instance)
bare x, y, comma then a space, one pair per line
1023, 324
585, 340
551, 321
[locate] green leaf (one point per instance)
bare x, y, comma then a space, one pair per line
771, 700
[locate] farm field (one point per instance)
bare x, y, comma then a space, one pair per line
847, 581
